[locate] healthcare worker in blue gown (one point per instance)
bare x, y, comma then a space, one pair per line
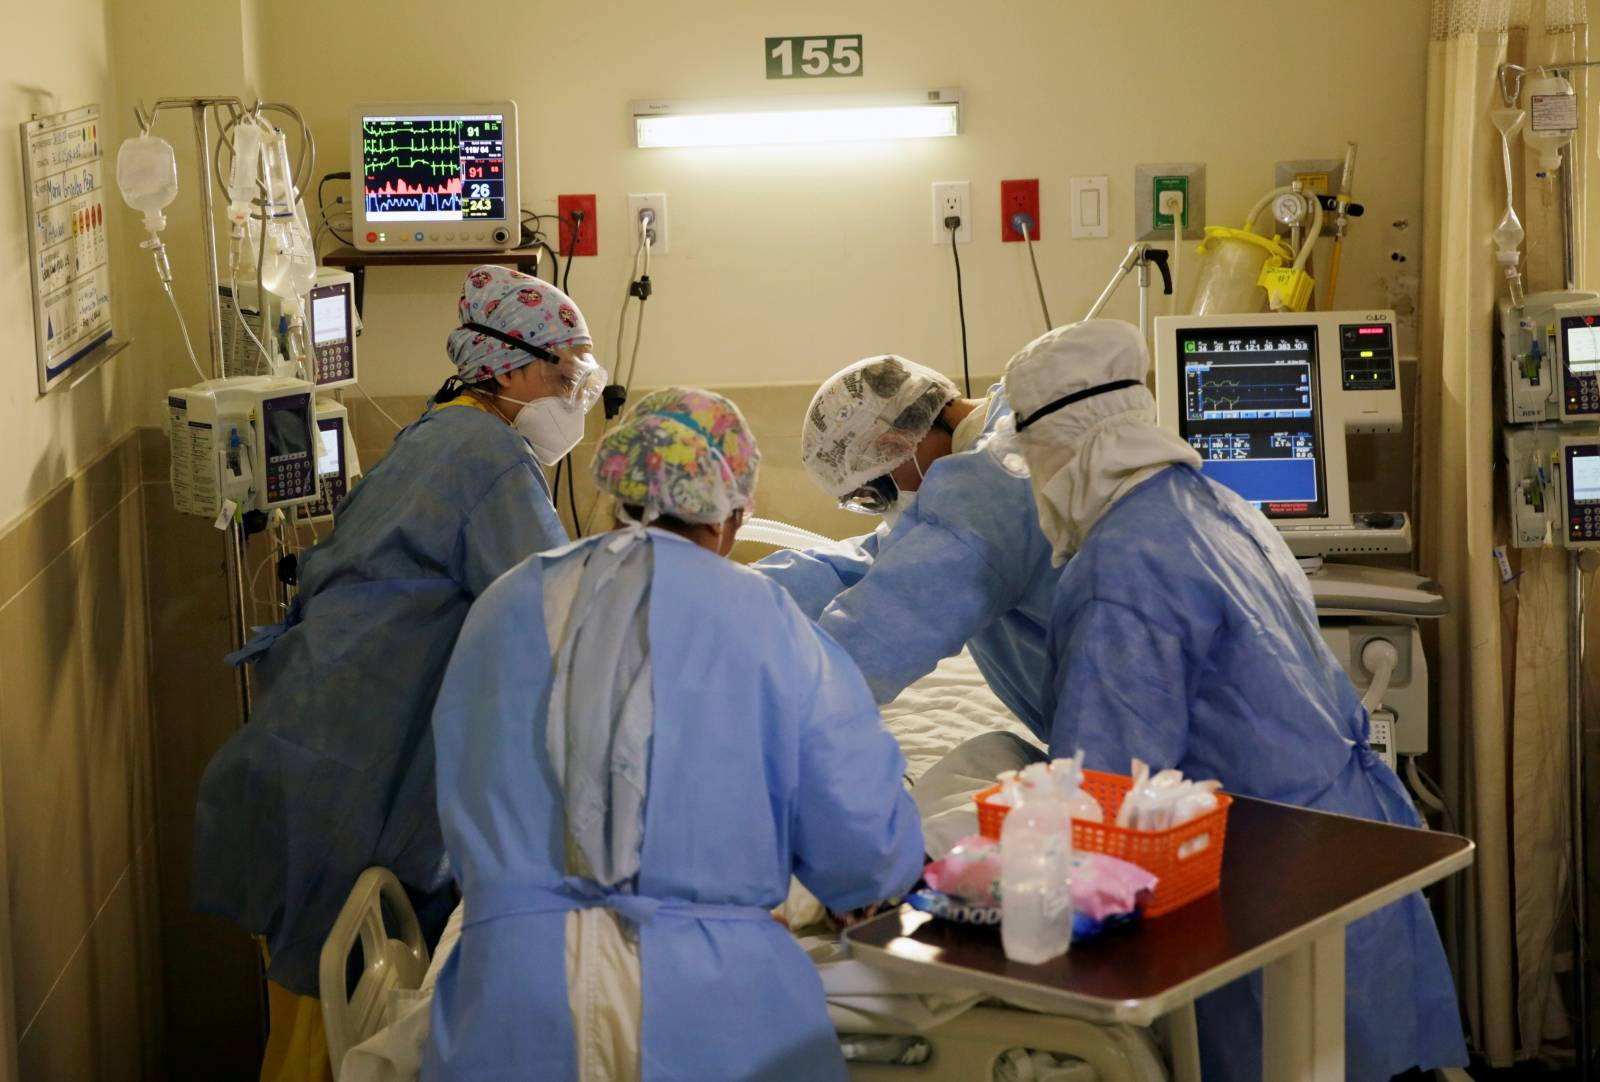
1184, 633
334, 772
639, 742
959, 559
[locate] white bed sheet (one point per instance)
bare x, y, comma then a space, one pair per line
950, 705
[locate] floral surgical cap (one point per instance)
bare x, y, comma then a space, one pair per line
515, 304
869, 418
684, 453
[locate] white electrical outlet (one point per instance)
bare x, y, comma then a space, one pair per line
656, 204
952, 197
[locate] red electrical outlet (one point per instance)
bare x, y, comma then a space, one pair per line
1018, 197
588, 229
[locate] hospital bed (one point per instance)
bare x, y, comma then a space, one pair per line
959, 1039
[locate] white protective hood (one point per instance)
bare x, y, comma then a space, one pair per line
1087, 455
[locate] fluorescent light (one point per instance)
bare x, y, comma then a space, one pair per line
767, 122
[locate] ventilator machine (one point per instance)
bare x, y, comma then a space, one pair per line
1267, 399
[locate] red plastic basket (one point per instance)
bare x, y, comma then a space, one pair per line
1185, 859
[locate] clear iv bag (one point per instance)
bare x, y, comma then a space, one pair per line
147, 175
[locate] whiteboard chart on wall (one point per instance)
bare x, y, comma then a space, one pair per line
64, 184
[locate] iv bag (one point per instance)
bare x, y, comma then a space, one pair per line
290, 268
147, 175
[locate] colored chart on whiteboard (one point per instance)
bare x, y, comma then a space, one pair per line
64, 179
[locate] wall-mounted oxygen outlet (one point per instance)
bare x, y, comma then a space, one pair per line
952, 198
1317, 176
1189, 178
656, 205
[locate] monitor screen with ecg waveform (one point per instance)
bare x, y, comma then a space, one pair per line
1250, 399
434, 168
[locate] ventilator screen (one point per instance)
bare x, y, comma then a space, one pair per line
1251, 409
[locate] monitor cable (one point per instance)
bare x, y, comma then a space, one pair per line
1023, 224
953, 223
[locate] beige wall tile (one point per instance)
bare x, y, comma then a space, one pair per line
109, 616
116, 1023
40, 534
154, 460
47, 822
62, 1045
148, 944
208, 969
93, 1024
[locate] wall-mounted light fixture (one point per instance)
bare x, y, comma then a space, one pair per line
915, 114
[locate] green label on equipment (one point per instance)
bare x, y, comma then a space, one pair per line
814, 58
1168, 184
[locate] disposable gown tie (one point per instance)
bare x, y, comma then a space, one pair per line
488, 902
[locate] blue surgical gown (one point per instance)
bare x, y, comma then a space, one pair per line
334, 772
1185, 634
965, 565
768, 758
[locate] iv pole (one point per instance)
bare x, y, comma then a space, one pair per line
1140, 254
235, 552
1579, 564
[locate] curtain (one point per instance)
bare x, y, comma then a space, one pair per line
1501, 659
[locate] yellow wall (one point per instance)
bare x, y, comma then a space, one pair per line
787, 262
54, 57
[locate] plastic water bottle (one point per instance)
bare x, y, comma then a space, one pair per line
1035, 873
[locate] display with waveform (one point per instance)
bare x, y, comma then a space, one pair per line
1247, 391
433, 168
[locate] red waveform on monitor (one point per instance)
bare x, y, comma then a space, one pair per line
400, 187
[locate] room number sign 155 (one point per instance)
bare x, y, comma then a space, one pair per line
813, 58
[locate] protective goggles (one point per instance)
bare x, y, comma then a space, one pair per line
582, 378
873, 498
1003, 444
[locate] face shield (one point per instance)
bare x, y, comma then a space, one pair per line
581, 377
873, 498
582, 381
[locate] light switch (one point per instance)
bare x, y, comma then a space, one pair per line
1089, 207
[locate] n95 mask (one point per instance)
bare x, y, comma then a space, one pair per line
552, 425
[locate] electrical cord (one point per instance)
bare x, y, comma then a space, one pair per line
572, 495
1429, 792
639, 287
572, 250
953, 223
1027, 235
398, 427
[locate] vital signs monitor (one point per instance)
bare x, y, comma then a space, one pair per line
1266, 400
435, 176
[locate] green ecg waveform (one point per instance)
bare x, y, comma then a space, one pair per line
412, 155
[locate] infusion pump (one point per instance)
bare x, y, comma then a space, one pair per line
242, 444
1550, 358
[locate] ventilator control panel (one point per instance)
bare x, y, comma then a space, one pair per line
1581, 461
1366, 357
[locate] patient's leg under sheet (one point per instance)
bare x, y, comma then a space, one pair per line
944, 793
